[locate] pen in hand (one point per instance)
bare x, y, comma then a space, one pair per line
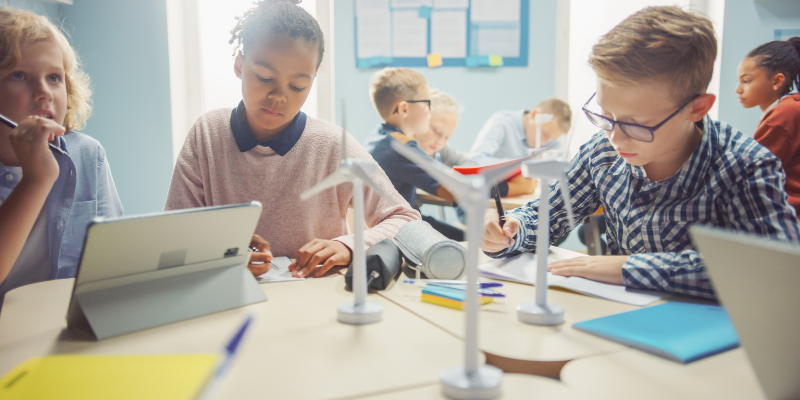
499, 205
255, 250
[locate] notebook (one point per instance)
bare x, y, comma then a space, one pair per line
522, 269
66, 377
682, 332
449, 297
279, 274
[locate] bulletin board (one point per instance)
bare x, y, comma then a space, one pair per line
441, 33
785, 34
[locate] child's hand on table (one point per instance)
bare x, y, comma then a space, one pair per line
259, 262
329, 253
606, 269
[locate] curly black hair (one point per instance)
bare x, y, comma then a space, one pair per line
277, 17
781, 57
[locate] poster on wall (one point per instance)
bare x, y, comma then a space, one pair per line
441, 33
784, 34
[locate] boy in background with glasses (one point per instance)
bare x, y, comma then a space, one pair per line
401, 97
659, 165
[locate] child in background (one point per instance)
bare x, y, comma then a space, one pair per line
53, 179
401, 97
445, 114
659, 165
508, 135
266, 149
444, 120
766, 78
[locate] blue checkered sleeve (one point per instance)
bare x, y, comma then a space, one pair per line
755, 204
583, 198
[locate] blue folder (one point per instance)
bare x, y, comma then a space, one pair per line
681, 332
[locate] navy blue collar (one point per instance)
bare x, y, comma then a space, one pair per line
281, 144
389, 128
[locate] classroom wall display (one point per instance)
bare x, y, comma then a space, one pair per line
784, 34
441, 33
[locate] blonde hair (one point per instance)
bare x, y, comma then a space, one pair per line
18, 28
441, 101
560, 110
390, 85
659, 43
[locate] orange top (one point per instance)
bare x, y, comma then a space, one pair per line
779, 131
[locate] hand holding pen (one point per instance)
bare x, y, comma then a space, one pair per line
261, 259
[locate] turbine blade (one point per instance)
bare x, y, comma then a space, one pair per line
332, 180
563, 186
499, 173
357, 171
446, 176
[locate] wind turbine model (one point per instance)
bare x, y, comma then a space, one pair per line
539, 312
540, 119
468, 381
359, 173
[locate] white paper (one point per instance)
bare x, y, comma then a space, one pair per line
497, 41
495, 11
410, 34
374, 34
273, 275
449, 33
523, 268
371, 5
450, 3
411, 3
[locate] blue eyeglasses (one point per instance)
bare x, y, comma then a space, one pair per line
634, 131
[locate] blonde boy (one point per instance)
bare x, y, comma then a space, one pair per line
507, 135
659, 165
53, 179
401, 97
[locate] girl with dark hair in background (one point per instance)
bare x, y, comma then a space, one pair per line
769, 78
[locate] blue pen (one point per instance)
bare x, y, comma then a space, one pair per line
228, 355
484, 292
255, 250
438, 157
454, 283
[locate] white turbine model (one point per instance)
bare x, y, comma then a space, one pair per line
540, 119
358, 172
468, 381
539, 312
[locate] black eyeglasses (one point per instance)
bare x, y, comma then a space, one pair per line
634, 131
396, 109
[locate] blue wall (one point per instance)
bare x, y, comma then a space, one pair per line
123, 46
748, 24
480, 91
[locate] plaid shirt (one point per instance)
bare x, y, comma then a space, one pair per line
729, 181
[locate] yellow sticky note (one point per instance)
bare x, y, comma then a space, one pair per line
435, 60
496, 61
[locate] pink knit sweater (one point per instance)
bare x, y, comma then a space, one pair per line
212, 171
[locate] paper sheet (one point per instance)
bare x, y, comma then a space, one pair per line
449, 33
495, 11
410, 34
374, 33
450, 3
496, 40
523, 268
273, 275
371, 5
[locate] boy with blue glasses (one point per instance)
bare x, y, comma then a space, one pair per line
659, 165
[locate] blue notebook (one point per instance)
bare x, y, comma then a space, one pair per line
681, 332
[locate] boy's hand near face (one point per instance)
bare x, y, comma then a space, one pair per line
30, 141
606, 269
259, 262
329, 253
498, 239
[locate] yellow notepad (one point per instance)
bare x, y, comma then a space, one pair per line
173, 377
458, 305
